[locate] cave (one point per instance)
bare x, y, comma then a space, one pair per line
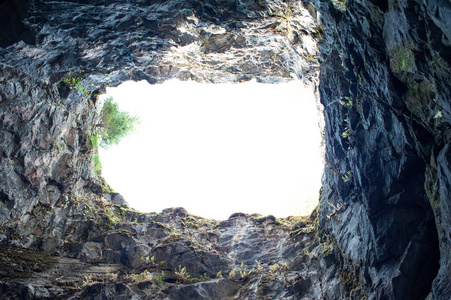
382, 226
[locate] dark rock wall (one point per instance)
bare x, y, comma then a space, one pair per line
382, 72
12, 14
206, 41
46, 160
384, 86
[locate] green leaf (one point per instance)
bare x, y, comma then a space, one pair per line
115, 125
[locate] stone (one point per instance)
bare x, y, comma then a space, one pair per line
91, 252
212, 289
441, 284
116, 198
381, 75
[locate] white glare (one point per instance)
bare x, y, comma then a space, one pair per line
218, 149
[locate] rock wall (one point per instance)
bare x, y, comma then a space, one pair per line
381, 70
386, 97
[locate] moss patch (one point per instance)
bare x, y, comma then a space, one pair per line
401, 60
19, 262
350, 273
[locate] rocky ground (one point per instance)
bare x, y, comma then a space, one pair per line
174, 255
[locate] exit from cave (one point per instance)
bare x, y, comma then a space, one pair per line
216, 149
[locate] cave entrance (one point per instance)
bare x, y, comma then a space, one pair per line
216, 149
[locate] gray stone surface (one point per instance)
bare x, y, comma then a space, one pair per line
382, 73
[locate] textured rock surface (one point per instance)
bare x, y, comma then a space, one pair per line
382, 71
173, 256
385, 92
204, 41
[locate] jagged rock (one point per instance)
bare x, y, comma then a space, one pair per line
213, 289
91, 252
382, 139
116, 199
107, 291
442, 286
381, 71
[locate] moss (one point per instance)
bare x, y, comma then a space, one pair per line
350, 273
301, 226
190, 222
327, 250
402, 60
260, 219
438, 65
97, 165
126, 232
266, 220
156, 224
195, 222
172, 237
419, 94
346, 277
125, 213
20, 262
318, 33
358, 293
198, 248
340, 4
262, 4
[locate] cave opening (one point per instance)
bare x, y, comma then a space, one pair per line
217, 149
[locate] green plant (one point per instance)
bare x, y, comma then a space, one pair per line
97, 164
319, 32
161, 278
279, 268
182, 275
94, 139
347, 177
232, 273
346, 133
74, 82
347, 103
258, 265
340, 4
262, 4
438, 115
111, 276
115, 124
150, 260
201, 278
138, 278
335, 208
89, 280
306, 252
243, 272
146, 260
401, 59
327, 249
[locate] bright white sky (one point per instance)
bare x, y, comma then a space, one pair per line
216, 149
